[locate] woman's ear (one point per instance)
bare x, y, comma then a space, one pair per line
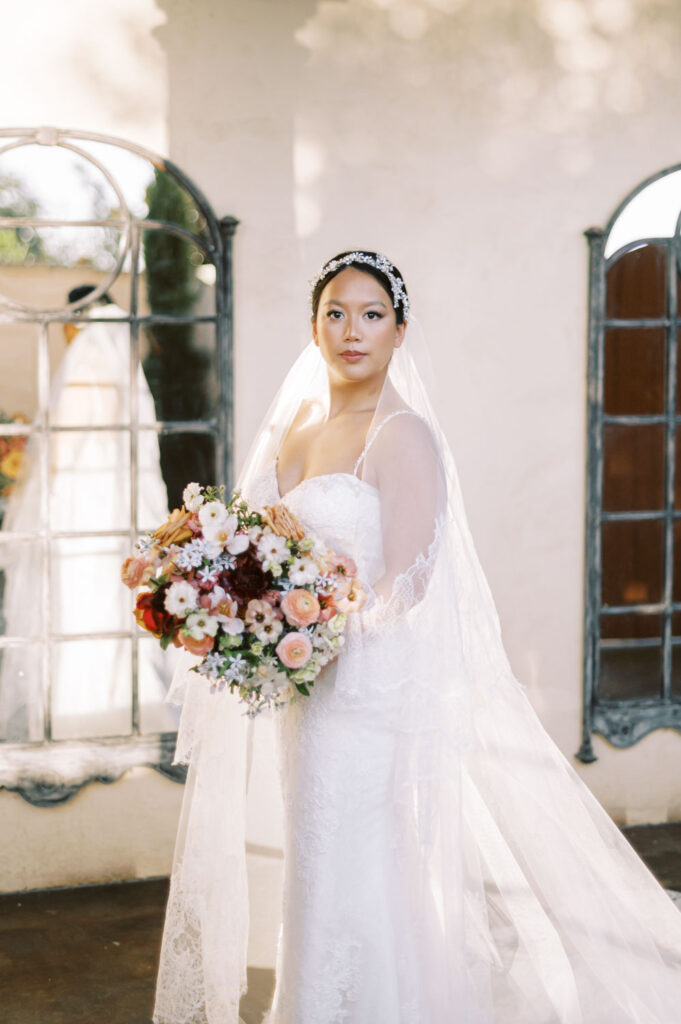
314, 331
399, 335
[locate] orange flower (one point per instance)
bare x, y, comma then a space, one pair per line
300, 607
283, 522
175, 529
201, 647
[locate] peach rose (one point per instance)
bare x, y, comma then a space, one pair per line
294, 650
354, 600
300, 607
132, 571
200, 647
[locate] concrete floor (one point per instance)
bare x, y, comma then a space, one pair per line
89, 955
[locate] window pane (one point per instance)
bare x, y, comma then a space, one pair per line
21, 509
632, 625
676, 588
90, 375
676, 655
172, 279
18, 370
632, 562
21, 587
633, 467
90, 480
636, 285
91, 688
634, 371
628, 674
677, 470
182, 371
187, 457
87, 595
152, 493
21, 694
156, 669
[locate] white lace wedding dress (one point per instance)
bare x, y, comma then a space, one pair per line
344, 954
357, 943
436, 871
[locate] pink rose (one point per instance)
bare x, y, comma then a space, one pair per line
294, 650
200, 647
300, 607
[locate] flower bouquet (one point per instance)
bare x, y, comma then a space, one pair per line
263, 604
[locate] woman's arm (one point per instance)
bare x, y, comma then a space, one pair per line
412, 485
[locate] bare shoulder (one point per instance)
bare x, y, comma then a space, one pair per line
406, 454
406, 430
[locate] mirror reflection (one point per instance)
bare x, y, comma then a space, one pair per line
110, 394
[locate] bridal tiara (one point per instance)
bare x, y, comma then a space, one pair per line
380, 262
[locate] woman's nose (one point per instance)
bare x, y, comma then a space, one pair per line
352, 329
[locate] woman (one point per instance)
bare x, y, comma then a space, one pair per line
443, 862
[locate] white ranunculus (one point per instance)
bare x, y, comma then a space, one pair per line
192, 497
181, 598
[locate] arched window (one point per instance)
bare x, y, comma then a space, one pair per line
632, 655
115, 391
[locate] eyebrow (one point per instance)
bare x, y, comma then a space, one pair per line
337, 302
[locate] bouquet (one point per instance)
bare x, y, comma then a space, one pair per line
263, 604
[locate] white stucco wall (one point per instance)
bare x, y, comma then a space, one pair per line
473, 143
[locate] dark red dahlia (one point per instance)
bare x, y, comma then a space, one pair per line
247, 580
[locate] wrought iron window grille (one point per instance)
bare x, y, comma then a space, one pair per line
42, 771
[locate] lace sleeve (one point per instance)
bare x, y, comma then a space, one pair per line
412, 486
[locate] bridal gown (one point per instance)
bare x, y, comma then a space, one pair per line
558, 920
434, 871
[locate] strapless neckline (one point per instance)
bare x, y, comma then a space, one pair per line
319, 476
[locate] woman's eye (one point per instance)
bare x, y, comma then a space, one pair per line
374, 315
334, 314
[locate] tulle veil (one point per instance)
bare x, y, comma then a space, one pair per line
525, 903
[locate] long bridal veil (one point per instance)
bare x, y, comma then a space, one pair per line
520, 900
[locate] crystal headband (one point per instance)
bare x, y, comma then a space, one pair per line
379, 262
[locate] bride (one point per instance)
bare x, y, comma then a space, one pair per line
443, 861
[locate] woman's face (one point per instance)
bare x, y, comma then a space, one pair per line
356, 315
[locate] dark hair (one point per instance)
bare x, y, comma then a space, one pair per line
81, 291
323, 279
